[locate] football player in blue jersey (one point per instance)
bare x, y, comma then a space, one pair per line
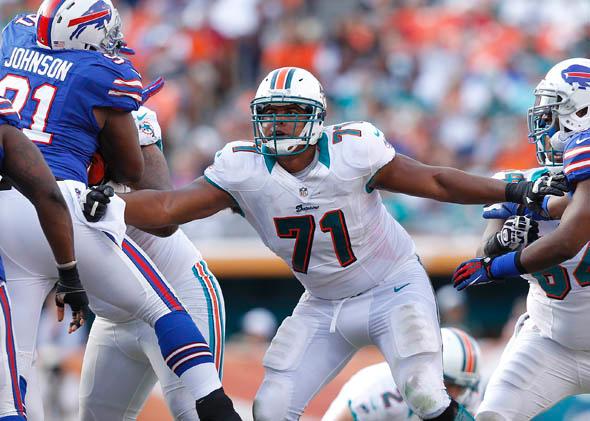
24, 168
75, 93
561, 114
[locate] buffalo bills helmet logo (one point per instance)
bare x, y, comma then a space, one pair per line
99, 14
577, 73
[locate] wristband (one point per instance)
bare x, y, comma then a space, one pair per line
507, 265
515, 191
68, 265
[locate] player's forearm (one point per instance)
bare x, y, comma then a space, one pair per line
557, 205
456, 186
549, 251
147, 209
562, 244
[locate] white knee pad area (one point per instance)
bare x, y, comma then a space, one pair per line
424, 394
271, 402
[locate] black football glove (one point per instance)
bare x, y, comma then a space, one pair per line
95, 201
517, 232
532, 193
69, 291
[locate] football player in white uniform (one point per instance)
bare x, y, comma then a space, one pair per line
131, 349
24, 168
310, 193
371, 394
548, 357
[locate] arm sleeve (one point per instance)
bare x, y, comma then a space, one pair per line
576, 158
148, 128
113, 83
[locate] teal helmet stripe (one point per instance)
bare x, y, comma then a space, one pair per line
273, 81
289, 78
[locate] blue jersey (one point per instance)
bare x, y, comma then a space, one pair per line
55, 92
576, 158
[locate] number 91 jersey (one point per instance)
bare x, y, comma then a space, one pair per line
559, 298
325, 223
55, 92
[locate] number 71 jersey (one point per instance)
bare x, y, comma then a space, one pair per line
326, 224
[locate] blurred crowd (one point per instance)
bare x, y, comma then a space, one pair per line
448, 81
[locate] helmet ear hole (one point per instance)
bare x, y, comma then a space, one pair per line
582, 112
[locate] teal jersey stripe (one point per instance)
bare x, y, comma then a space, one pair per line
324, 150
289, 78
221, 313
273, 81
209, 309
245, 149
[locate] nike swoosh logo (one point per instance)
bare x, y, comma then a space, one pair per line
581, 140
475, 280
398, 289
139, 118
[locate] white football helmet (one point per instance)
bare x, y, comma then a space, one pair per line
461, 361
561, 109
288, 85
79, 25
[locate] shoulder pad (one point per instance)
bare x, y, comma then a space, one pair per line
148, 128
238, 166
112, 81
361, 147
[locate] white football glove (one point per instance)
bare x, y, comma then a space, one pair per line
517, 232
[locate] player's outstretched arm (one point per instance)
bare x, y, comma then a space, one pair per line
567, 240
149, 209
406, 175
25, 167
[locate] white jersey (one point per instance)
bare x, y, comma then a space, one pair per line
371, 395
558, 301
327, 225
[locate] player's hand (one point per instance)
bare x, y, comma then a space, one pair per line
95, 200
69, 291
517, 232
473, 272
532, 193
152, 89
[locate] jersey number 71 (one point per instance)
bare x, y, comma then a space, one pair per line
302, 228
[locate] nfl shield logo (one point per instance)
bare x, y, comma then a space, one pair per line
303, 192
